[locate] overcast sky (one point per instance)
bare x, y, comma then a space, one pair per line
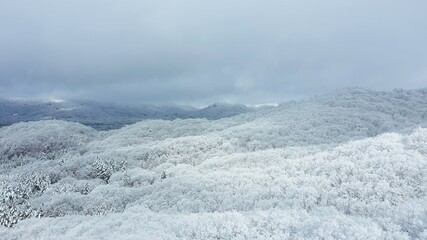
197, 52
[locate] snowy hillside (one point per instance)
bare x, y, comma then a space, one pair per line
105, 116
348, 165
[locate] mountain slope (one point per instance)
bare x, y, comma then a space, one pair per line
348, 165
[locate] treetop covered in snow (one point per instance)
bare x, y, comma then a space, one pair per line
348, 165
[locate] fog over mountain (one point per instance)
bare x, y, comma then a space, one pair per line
201, 52
106, 116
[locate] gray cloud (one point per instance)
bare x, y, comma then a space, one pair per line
203, 51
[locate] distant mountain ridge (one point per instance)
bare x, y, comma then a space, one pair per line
106, 116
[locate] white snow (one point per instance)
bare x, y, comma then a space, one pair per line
55, 100
272, 104
348, 165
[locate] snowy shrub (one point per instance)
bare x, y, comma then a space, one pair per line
11, 214
103, 169
44, 139
66, 186
14, 205
136, 177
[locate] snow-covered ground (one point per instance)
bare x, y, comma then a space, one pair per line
348, 165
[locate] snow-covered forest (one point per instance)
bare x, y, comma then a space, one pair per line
351, 164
